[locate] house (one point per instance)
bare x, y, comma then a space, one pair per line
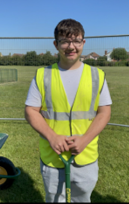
82, 57
16, 54
108, 55
92, 55
41, 54
1, 54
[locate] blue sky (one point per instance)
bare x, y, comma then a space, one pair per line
38, 18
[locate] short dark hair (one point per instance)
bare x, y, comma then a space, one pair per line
67, 28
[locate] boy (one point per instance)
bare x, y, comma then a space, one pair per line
68, 104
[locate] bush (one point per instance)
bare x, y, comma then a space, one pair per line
102, 61
116, 64
122, 63
91, 62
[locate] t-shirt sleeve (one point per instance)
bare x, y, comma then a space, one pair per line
34, 97
105, 98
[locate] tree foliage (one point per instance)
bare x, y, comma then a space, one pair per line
119, 54
29, 59
32, 59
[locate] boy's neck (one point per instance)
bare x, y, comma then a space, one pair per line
69, 65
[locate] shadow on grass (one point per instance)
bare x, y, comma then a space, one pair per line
21, 191
97, 198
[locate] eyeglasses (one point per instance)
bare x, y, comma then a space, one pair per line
65, 43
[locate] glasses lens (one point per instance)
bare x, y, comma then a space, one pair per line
77, 43
66, 43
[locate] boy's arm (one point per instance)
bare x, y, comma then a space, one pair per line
77, 144
36, 120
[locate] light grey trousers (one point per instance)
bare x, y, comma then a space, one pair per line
83, 180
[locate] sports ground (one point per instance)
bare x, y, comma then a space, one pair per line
22, 145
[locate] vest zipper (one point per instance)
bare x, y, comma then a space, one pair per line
70, 121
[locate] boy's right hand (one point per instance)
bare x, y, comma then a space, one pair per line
59, 144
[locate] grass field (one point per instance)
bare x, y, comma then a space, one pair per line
22, 145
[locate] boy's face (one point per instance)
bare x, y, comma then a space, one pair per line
70, 48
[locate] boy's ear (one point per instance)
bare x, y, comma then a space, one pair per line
55, 44
84, 41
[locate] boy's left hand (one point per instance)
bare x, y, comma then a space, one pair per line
76, 144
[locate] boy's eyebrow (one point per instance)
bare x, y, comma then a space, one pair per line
71, 38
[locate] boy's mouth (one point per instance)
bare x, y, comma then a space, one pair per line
70, 53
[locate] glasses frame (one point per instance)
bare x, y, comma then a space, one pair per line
59, 41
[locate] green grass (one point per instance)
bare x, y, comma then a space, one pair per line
22, 145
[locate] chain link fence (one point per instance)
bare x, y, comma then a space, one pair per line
19, 46
21, 56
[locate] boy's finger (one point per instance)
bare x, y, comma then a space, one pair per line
70, 138
70, 142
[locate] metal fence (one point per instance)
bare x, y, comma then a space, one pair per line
8, 75
19, 46
97, 44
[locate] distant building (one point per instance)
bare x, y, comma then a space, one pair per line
108, 55
82, 57
41, 54
16, 54
92, 55
1, 54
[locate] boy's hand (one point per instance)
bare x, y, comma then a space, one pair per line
59, 144
76, 144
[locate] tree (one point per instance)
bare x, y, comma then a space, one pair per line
15, 60
119, 54
30, 58
48, 59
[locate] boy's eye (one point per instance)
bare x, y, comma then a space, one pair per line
66, 43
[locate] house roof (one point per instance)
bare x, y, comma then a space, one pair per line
108, 53
93, 54
83, 56
16, 54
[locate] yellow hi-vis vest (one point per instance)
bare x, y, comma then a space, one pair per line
66, 120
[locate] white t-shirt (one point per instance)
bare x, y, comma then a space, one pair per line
70, 80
